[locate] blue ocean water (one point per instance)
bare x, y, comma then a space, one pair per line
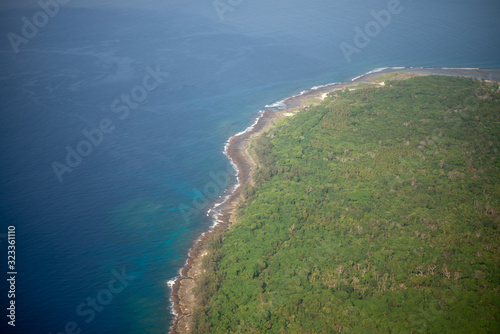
166, 83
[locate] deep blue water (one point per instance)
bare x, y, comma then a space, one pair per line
119, 210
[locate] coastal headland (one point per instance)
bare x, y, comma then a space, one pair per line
183, 294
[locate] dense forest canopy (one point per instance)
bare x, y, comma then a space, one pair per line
375, 212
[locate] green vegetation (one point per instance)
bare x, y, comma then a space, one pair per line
375, 212
361, 85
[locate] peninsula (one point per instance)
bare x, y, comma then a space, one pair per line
364, 206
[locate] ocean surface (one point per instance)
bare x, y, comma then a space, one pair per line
114, 116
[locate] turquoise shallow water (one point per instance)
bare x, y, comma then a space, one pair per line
132, 206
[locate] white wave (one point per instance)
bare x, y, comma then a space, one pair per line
459, 68
216, 205
248, 129
377, 70
319, 87
324, 86
380, 69
171, 283
280, 105
358, 77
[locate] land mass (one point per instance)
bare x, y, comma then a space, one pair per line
311, 182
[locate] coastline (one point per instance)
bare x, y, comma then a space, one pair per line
236, 149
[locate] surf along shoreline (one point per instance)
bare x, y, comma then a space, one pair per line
223, 213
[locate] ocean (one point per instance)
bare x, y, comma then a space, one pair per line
114, 116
